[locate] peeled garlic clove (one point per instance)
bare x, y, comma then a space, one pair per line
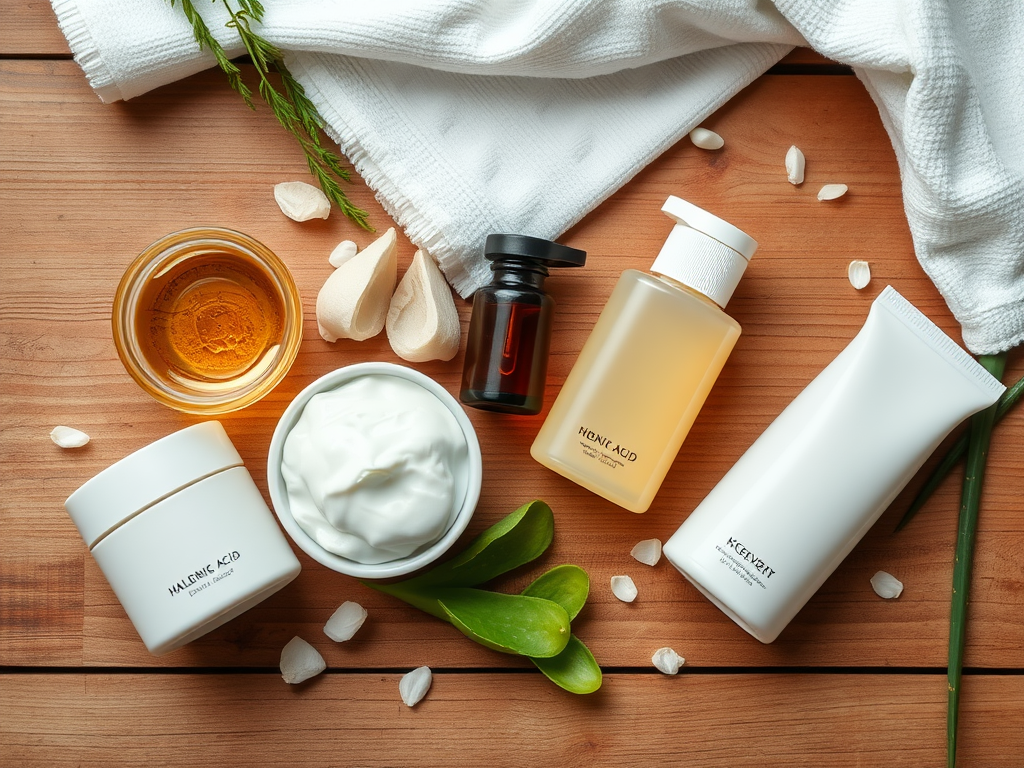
344, 251
647, 551
859, 273
345, 622
705, 139
422, 323
795, 166
624, 588
414, 685
667, 661
300, 201
353, 303
300, 661
886, 585
68, 437
832, 191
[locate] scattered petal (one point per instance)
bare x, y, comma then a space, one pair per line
68, 437
667, 661
300, 661
353, 303
624, 588
705, 139
345, 622
414, 685
859, 273
886, 585
422, 322
795, 165
300, 201
832, 191
647, 551
344, 251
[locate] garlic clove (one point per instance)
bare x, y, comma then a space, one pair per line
422, 322
832, 191
300, 201
647, 551
344, 251
795, 165
624, 588
886, 585
414, 685
345, 622
859, 273
353, 303
68, 437
667, 661
300, 661
705, 139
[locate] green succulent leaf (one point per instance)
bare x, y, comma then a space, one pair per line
567, 585
575, 669
528, 626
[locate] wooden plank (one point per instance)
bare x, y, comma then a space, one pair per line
29, 27
87, 186
358, 719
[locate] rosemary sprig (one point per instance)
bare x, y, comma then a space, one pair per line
292, 108
977, 454
1009, 399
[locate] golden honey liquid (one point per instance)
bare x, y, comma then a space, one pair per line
213, 317
635, 390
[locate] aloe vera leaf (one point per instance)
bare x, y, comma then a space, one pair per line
1009, 399
970, 498
528, 626
567, 585
423, 599
519, 538
575, 669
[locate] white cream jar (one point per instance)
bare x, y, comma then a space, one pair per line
183, 536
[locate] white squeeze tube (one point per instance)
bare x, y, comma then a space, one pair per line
787, 513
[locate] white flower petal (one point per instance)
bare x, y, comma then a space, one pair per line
832, 191
624, 588
859, 273
68, 437
300, 201
300, 661
414, 685
342, 252
795, 165
345, 622
705, 139
886, 585
647, 551
667, 661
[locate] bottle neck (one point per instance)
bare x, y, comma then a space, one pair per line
687, 289
520, 273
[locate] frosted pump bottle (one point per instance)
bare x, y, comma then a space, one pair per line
646, 370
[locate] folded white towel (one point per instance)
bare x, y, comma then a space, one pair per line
534, 111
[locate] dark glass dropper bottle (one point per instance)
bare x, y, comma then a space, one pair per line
510, 328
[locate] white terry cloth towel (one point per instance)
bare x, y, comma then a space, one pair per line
474, 116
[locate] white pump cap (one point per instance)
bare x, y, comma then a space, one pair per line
703, 252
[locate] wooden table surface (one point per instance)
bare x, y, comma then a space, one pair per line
853, 681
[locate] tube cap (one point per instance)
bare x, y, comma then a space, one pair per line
536, 249
150, 474
703, 251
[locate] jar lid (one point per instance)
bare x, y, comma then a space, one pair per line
149, 475
535, 249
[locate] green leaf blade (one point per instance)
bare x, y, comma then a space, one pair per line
527, 626
567, 585
575, 669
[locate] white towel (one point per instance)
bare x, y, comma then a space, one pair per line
473, 116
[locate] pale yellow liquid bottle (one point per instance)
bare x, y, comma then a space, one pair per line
649, 364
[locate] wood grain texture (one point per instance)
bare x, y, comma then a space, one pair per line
359, 720
87, 186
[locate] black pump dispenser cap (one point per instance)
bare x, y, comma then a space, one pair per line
535, 249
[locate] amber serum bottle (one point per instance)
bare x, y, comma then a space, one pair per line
650, 362
510, 328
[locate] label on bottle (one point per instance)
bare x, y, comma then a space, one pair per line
604, 449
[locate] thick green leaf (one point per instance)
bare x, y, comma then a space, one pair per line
516, 540
567, 585
423, 599
575, 669
528, 626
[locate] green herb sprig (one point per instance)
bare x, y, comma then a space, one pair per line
292, 108
953, 456
534, 623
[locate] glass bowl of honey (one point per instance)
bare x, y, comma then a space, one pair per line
207, 320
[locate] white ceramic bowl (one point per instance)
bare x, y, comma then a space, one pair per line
279, 490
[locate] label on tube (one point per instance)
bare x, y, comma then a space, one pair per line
787, 513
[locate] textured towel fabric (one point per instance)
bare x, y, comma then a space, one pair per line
531, 112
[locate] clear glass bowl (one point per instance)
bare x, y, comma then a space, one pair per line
207, 320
